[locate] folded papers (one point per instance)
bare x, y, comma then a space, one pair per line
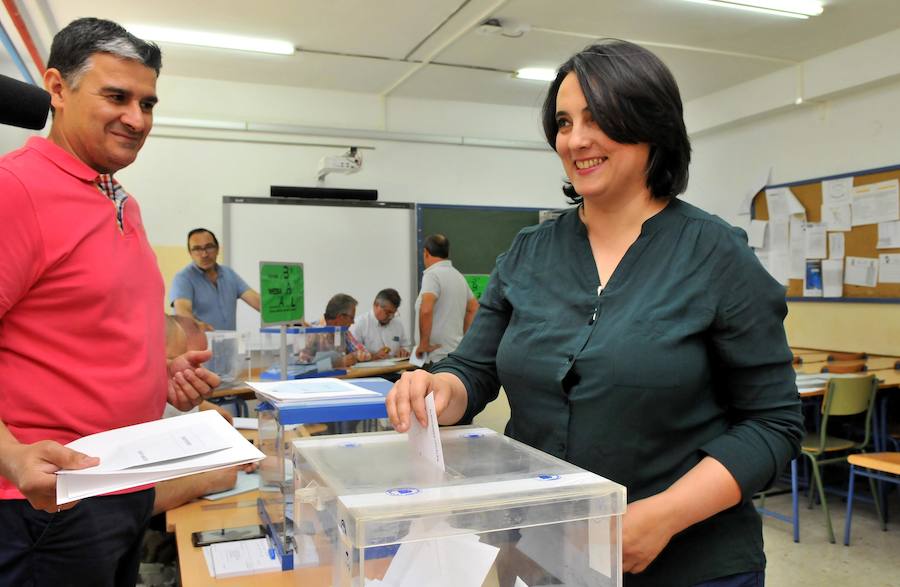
154, 451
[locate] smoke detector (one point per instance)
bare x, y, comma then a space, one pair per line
506, 27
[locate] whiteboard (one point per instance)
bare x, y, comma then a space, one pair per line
354, 248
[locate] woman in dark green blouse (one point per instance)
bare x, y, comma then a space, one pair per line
636, 336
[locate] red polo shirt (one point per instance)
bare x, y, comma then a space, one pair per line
82, 334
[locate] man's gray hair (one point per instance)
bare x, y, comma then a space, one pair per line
340, 304
75, 44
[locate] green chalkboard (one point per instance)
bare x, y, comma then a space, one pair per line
477, 233
280, 292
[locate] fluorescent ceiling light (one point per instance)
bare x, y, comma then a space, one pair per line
216, 40
536, 73
789, 8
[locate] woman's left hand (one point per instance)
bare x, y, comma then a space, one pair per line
645, 532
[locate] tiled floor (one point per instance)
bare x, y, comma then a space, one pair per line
871, 560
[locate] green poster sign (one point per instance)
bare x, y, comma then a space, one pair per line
477, 283
281, 292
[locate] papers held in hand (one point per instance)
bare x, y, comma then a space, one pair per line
152, 452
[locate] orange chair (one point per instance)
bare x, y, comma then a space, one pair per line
880, 466
846, 367
847, 356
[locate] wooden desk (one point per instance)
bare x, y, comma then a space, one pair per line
360, 372
814, 357
879, 363
238, 510
872, 364
801, 352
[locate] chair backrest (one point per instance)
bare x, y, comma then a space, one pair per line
846, 356
845, 367
849, 396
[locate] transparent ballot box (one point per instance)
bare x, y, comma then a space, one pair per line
230, 355
367, 512
311, 352
279, 426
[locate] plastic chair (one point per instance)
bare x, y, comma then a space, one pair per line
843, 397
880, 466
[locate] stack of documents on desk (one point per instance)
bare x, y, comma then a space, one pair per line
388, 362
307, 390
811, 382
152, 452
240, 557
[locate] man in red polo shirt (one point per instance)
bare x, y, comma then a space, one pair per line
82, 338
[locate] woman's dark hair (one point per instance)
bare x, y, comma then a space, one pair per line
634, 99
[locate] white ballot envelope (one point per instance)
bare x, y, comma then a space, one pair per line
154, 451
426, 442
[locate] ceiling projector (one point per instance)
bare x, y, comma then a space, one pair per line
349, 162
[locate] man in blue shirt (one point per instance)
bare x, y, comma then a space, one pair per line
206, 290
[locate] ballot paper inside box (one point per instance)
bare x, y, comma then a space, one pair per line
373, 514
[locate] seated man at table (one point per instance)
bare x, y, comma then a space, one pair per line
340, 311
380, 330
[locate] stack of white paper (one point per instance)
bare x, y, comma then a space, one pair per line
152, 452
241, 557
305, 390
388, 362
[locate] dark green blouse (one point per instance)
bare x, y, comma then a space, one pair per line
682, 354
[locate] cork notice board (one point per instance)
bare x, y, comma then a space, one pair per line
861, 241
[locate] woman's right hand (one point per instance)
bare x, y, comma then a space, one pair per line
407, 398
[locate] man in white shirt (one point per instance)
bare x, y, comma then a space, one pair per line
446, 306
380, 330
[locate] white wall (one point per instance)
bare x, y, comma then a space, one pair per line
854, 131
180, 181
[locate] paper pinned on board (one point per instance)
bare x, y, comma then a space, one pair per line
889, 235
756, 234
861, 271
783, 203
838, 191
832, 278
837, 217
763, 179
797, 247
812, 280
889, 268
814, 235
836, 245
876, 202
